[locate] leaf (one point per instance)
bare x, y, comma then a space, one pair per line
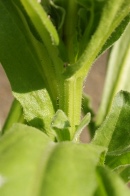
120, 162
114, 131
117, 33
42, 24
22, 160
89, 17
110, 183
111, 18
71, 170
84, 122
57, 13
61, 125
21, 64
125, 174
32, 165
41, 21
87, 107
117, 74
46, 5
15, 115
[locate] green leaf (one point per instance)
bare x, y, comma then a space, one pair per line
61, 125
22, 160
32, 165
56, 13
87, 107
15, 116
111, 18
21, 64
89, 17
117, 74
125, 174
114, 131
120, 162
41, 21
84, 122
110, 184
71, 170
117, 33
46, 5
42, 24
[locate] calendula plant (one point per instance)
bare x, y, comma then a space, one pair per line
47, 48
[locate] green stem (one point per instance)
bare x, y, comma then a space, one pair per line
71, 101
71, 88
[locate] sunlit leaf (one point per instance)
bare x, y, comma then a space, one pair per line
114, 132
32, 165
22, 161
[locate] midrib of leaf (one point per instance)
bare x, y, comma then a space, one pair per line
110, 19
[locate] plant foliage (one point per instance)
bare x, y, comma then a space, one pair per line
47, 49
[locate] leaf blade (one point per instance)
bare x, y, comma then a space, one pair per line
114, 131
21, 160
78, 161
116, 185
30, 162
21, 65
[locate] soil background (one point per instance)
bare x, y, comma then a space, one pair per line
93, 86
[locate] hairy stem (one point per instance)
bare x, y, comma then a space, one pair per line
70, 102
